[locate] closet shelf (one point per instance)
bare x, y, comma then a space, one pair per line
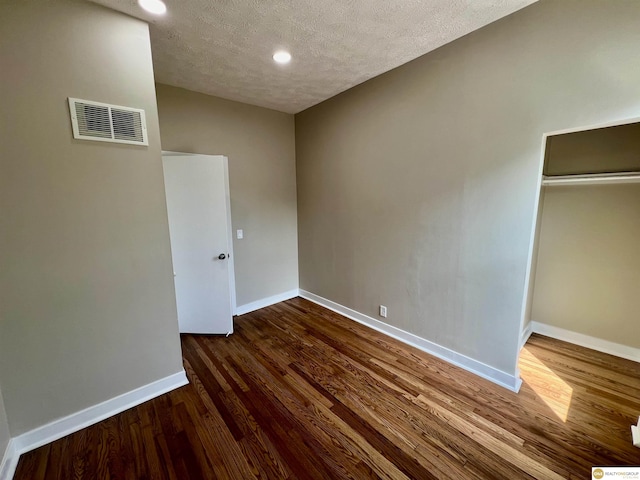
591, 179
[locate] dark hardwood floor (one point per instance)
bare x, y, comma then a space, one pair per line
300, 392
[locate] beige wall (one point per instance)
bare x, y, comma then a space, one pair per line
87, 300
262, 176
613, 149
5, 435
588, 270
416, 189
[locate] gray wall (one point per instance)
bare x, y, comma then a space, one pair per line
417, 189
262, 177
5, 435
86, 288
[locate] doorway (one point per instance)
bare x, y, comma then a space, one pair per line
584, 267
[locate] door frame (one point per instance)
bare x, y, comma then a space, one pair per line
227, 196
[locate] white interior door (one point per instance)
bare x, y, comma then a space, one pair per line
197, 190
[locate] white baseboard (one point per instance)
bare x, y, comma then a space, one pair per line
9, 461
494, 375
526, 333
265, 302
77, 421
604, 346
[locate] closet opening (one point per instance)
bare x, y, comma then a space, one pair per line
584, 271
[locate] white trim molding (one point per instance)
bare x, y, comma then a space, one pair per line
9, 461
604, 346
77, 421
266, 302
510, 382
526, 333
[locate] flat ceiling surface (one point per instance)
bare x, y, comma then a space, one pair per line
224, 48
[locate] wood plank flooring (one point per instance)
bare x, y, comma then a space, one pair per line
298, 392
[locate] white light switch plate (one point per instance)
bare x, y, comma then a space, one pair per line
239, 234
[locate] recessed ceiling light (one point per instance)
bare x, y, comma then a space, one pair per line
153, 6
282, 57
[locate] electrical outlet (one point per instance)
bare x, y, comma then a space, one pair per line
383, 311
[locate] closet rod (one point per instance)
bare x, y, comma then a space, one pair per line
591, 179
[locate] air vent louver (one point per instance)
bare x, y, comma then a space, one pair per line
107, 123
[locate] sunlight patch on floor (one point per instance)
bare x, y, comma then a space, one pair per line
554, 391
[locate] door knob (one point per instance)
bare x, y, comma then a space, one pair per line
222, 256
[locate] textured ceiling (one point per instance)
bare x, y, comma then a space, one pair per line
224, 47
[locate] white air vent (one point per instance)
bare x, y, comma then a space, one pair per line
107, 123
